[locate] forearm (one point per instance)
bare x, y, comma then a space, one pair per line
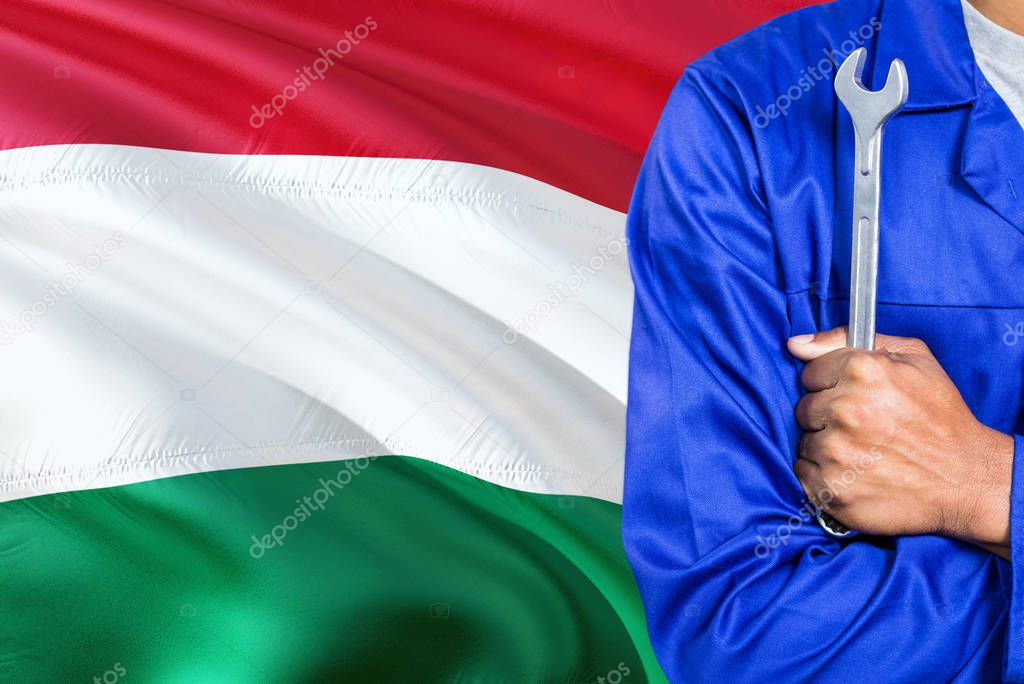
983, 514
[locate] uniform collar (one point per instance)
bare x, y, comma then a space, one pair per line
930, 37
992, 163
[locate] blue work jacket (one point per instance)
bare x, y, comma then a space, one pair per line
739, 234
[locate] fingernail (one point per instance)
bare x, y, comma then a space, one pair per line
801, 339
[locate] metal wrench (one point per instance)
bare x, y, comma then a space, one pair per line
869, 110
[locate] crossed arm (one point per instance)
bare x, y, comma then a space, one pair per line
934, 468
736, 583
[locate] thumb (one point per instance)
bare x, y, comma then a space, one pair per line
811, 346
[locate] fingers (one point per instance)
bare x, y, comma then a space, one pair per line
810, 347
814, 345
809, 475
811, 470
828, 365
826, 371
810, 448
813, 411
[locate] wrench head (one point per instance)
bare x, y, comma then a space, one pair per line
870, 109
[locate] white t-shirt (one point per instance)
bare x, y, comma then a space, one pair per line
1000, 54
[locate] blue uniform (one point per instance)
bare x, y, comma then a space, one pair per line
740, 238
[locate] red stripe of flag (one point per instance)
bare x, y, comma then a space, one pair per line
567, 92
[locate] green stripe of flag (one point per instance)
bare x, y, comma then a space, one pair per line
395, 569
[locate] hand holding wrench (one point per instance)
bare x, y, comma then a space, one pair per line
869, 111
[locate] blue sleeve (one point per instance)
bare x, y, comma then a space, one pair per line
738, 582
1015, 632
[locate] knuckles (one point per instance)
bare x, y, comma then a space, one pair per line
846, 412
913, 344
829, 449
854, 412
867, 367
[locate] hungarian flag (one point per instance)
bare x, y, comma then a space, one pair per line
313, 335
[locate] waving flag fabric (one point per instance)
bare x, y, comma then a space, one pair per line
313, 335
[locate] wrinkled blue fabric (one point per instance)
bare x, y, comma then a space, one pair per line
740, 237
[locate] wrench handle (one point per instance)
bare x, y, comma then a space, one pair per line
864, 251
863, 266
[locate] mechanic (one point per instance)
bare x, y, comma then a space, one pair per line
744, 402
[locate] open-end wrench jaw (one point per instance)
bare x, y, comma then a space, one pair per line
869, 109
